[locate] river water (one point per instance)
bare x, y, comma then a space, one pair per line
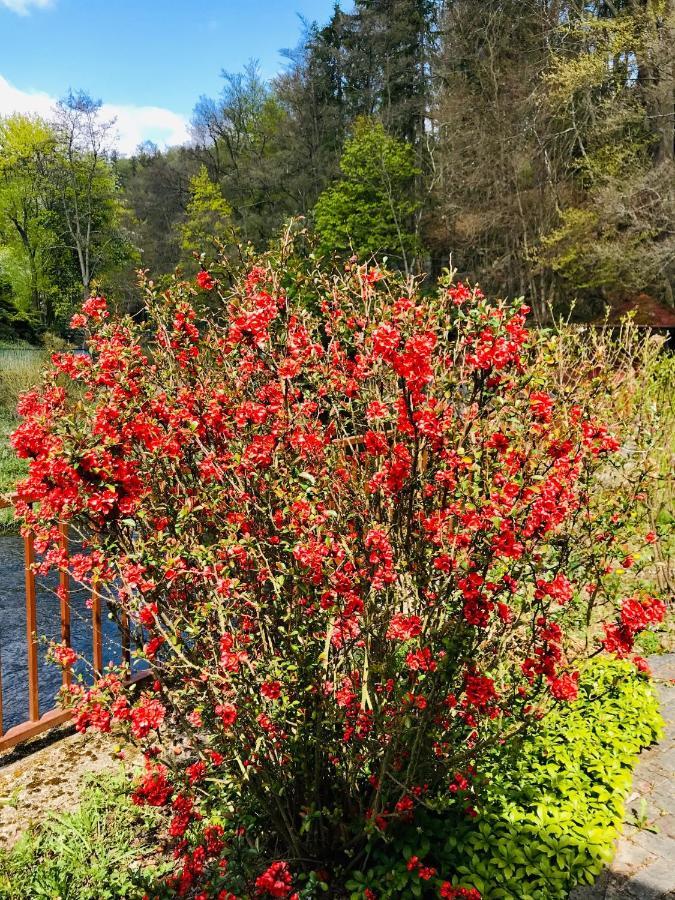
13, 657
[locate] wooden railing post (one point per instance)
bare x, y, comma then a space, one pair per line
31, 629
1, 715
35, 724
126, 641
64, 596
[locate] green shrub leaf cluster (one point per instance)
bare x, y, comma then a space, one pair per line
553, 807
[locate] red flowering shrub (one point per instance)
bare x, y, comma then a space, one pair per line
347, 541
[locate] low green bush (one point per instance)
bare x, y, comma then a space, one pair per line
551, 807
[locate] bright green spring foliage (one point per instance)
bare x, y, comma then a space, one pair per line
371, 209
208, 223
553, 805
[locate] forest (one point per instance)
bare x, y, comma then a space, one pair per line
528, 144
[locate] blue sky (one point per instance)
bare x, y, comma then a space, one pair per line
147, 60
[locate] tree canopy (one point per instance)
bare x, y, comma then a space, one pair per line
370, 209
526, 143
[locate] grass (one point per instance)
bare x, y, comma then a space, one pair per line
102, 851
19, 371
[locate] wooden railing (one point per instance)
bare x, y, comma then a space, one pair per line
35, 723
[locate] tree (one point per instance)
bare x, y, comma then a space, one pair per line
391, 46
608, 97
83, 182
370, 210
208, 222
550, 151
242, 137
25, 224
155, 186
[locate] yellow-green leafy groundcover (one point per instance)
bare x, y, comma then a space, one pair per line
550, 810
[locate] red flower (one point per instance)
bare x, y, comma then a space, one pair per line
205, 281
96, 308
541, 405
386, 339
78, 321
420, 661
147, 716
480, 691
153, 789
617, 640
641, 665
403, 628
63, 655
558, 589
448, 892
565, 687
227, 712
276, 881
271, 690
196, 772
376, 443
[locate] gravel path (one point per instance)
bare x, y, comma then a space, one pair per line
49, 778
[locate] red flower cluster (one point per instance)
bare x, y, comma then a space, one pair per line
565, 687
205, 281
154, 789
403, 628
65, 656
448, 892
636, 615
276, 881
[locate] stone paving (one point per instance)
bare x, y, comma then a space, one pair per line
644, 865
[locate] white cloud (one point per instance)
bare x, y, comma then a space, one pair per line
134, 124
13, 100
23, 7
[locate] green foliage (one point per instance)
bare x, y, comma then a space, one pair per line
100, 852
552, 807
371, 209
246, 139
590, 254
208, 223
61, 231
